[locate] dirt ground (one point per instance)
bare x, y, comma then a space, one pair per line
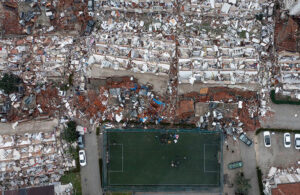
276, 155
159, 82
33, 126
187, 88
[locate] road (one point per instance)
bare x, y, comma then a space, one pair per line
249, 162
90, 175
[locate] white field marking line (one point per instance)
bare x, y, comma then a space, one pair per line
205, 171
120, 171
204, 158
122, 159
164, 184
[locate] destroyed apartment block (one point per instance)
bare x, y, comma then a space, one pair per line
288, 77
40, 17
130, 52
138, 6
280, 180
211, 49
286, 39
227, 50
32, 159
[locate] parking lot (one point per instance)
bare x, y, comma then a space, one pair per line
276, 155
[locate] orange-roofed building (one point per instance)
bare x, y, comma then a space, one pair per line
287, 189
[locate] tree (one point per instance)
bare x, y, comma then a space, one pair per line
9, 83
70, 134
242, 185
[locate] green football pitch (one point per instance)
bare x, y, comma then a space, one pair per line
136, 158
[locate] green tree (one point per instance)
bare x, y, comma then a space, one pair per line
70, 134
9, 83
242, 184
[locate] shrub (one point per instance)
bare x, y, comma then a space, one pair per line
70, 134
9, 83
275, 130
97, 130
242, 184
260, 182
286, 101
100, 169
70, 79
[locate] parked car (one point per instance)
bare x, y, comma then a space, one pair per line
287, 140
80, 142
235, 165
82, 130
245, 139
91, 5
297, 141
267, 138
82, 158
89, 27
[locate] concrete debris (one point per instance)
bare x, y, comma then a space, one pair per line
32, 159
191, 46
238, 51
278, 176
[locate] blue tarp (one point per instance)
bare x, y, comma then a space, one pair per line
135, 87
143, 119
158, 102
159, 119
144, 87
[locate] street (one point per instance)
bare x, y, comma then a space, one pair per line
90, 175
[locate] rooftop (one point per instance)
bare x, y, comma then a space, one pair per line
288, 189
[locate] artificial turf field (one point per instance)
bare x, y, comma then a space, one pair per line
137, 158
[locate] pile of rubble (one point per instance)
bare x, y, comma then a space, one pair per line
121, 100
32, 159
41, 17
280, 176
285, 76
225, 108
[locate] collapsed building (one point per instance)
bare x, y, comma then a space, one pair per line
223, 46
279, 181
286, 72
32, 159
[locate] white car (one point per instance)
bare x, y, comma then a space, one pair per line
267, 138
82, 158
297, 141
287, 140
